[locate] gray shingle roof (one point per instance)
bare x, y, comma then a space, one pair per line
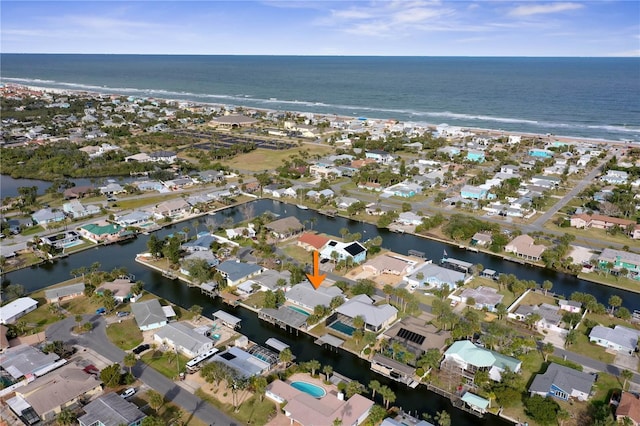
147, 313
564, 378
64, 291
237, 270
619, 335
111, 410
184, 336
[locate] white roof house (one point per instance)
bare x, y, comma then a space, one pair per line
375, 317
184, 339
619, 338
10, 312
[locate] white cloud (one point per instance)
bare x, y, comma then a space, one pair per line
542, 9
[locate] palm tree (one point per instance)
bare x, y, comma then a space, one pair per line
155, 400
626, 375
327, 370
614, 302
313, 366
546, 286
388, 396
443, 418
130, 360
547, 349
374, 386
196, 310
66, 417
285, 356
259, 385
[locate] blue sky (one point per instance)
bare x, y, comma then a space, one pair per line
390, 27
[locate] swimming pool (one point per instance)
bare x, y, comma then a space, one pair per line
343, 328
72, 244
313, 390
302, 311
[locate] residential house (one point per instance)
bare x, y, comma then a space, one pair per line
101, 232
403, 190
202, 243
417, 336
472, 192
375, 209
120, 289
137, 217
619, 338
310, 241
546, 182
15, 309
510, 169
270, 280
77, 192
570, 306
49, 394
485, 297
524, 246
77, 210
306, 296
232, 121
61, 240
184, 339
206, 255
467, 358
244, 363
481, 239
376, 317
620, 259
111, 189
563, 383
47, 216
379, 156
550, 317
171, 209
599, 221
628, 408
241, 232
178, 183
324, 172
236, 272
111, 410
354, 250
432, 275
305, 410
209, 176
149, 314
27, 361
615, 177
409, 219
390, 265
60, 294
163, 156
451, 151
324, 194
285, 228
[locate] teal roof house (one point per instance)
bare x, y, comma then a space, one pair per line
467, 359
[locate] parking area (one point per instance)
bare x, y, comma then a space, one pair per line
626, 361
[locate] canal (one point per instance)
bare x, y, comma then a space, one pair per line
418, 400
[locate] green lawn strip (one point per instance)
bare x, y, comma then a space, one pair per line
612, 281
136, 202
165, 362
535, 298
40, 318
125, 335
252, 411
33, 230
81, 305
298, 253
256, 300
170, 413
593, 233
268, 159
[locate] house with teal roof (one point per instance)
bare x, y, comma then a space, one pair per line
466, 358
101, 232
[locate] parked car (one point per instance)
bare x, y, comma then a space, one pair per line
122, 314
101, 311
128, 392
141, 348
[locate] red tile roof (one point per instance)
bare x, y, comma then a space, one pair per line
314, 240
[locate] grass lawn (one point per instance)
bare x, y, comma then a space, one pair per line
612, 281
125, 335
85, 244
165, 362
39, 319
535, 298
582, 346
593, 233
169, 412
21, 261
268, 159
252, 411
256, 299
609, 321
605, 384
136, 202
82, 305
298, 253
33, 230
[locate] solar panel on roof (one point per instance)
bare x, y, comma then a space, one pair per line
411, 336
228, 356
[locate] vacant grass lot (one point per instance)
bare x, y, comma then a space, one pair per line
165, 362
595, 234
136, 202
125, 335
252, 411
169, 412
268, 159
612, 281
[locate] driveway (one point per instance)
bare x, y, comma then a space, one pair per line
97, 340
626, 361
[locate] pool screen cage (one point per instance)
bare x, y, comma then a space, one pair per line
266, 355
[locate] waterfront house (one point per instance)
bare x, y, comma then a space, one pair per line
120, 289
563, 383
77, 210
619, 338
285, 228
599, 221
236, 272
354, 250
111, 189
171, 209
409, 219
101, 232
485, 297
206, 255
376, 317
136, 217
163, 156
48, 395
467, 358
524, 246
628, 408
61, 240
111, 409
202, 243
379, 156
47, 216
481, 239
183, 338
308, 297
620, 259
77, 192
550, 318
432, 275
310, 241
417, 336
344, 203
178, 183
15, 309
305, 410
60, 294
243, 362
475, 155
570, 306
151, 186
149, 314
270, 280
615, 177
389, 264
393, 369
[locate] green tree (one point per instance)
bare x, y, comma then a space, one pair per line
546, 286
259, 385
196, 310
354, 387
313, 365
110, 375
547, 349
376, 415
358, 322
614, 302
327, 370
285, 356
626, 375
154, 245
199, 270
130, 360
430, 359
542, 410
66, 417
443, 418
172, 250
374, 386
388, 396
156, 400
153, 421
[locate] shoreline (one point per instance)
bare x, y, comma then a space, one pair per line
480, 130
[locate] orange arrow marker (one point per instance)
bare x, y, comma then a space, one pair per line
316, 279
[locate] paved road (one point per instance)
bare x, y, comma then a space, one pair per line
98, 341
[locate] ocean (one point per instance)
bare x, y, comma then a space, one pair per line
581, 97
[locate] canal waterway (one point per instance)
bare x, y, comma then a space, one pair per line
419, 400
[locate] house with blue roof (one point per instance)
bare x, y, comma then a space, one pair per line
563, 383
236, 272
466, 358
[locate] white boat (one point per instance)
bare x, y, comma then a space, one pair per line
301, 207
